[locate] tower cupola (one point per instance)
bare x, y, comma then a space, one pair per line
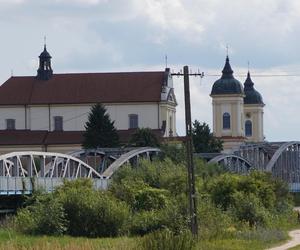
44, 71
252, 96
227, 84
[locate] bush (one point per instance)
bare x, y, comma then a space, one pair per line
175, 152
248, 208
145, 222
144, 137
167, 240
44, 217
158, 174
75, 208
222, 188
151, 199
92, 213
213, 221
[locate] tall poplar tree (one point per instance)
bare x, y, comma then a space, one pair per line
100, 131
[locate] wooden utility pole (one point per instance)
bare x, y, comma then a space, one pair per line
189, 148
189, 152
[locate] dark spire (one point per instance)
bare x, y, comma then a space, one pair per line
252, 96
44, 71
248, 85
227, 71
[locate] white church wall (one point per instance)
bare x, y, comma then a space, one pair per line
17, 113
75, 116
147, 114
38, 117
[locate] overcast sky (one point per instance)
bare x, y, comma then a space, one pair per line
135, 35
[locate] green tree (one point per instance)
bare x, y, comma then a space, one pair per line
100, 130
203, 139
144, 137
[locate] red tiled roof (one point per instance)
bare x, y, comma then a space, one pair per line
22, 137
83, 88
28, 137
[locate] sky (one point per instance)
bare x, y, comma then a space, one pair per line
135, 35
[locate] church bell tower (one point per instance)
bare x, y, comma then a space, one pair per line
44, 71
228, 113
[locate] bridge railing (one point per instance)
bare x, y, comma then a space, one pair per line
25, 185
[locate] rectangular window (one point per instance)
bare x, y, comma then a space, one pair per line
10, 124
133, 121
58, 123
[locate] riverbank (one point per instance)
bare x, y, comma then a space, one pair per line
10, 240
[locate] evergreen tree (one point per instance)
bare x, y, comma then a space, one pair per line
203, 139
144, 137
100, 130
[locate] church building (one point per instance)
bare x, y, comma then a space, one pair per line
237, 110
48, 112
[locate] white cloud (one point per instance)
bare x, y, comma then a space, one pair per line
11, 1
83, 2
280, 94
97, 35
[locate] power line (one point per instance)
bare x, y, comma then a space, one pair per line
256, 75
67, 120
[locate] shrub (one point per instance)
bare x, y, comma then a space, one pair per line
222, 188
44, 217
248, 208
157, 174
213, 221
92, 213
175, 152
151, 199
145, 222
144, 137
167, 240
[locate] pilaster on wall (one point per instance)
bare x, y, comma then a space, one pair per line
232, 105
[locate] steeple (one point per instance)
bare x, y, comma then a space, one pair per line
227, 84
44, 71
248, 85
227, 70
252, 96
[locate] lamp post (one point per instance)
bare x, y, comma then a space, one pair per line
189, 150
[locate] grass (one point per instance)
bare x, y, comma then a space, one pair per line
234, 244
10, 240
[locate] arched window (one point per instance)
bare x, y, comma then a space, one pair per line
248, 128
226, 121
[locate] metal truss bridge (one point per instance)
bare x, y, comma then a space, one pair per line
282, 159
22, 172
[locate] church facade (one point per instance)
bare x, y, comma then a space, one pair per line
237, 110
48, 111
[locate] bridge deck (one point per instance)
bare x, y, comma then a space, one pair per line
25, 185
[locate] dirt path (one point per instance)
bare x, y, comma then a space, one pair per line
294, 241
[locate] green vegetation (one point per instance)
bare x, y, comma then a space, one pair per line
144, 137
149, 203
203, 139
100, 130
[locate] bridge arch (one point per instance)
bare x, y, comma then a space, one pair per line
233, 163
126, 157
33, 163
285, 163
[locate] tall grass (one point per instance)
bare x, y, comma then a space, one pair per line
10, 240
167, 240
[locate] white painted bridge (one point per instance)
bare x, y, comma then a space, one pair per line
22, 172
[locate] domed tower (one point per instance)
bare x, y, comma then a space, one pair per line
44, 71
253, 110
228, 113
